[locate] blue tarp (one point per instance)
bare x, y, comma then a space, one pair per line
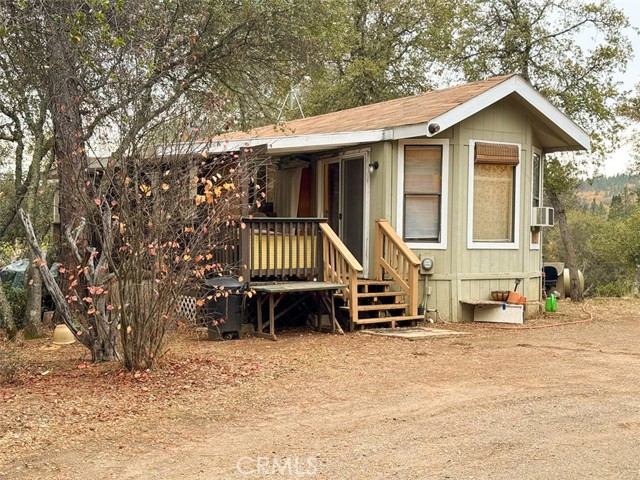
13, 274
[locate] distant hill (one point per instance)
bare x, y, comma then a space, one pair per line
602, 189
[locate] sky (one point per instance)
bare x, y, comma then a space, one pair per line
619, 160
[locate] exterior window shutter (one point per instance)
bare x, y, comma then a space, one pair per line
496, 154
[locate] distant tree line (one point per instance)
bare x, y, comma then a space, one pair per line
606, 234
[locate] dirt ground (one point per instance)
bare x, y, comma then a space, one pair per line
553, 402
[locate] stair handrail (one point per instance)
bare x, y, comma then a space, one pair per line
340, 266
398, 262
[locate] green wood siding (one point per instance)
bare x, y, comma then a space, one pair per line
459, 272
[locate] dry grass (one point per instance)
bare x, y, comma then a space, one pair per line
57, 402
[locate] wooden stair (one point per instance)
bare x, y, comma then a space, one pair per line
377, 303
388, 299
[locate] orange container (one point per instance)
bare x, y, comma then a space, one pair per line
513, 298
522, 301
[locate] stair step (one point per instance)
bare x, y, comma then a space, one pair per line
375, 282
379, 307
382, 307
379, 294
403, 318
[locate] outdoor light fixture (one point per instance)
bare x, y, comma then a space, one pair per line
433, 128
373, 166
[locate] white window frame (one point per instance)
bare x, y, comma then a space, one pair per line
471, 243
444, 193
534, 151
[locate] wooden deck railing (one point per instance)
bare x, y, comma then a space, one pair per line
393, 258
280, 247
227, 251
340, 266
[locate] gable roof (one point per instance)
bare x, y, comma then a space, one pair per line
413, 110
420, 115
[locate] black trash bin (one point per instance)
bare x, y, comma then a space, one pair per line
223, 313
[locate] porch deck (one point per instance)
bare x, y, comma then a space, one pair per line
305, 254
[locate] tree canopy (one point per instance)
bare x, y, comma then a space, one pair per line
104, 76
382, 49
571, 51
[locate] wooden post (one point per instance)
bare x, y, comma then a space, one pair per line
378, 251
353, 298
272, 317
260, 323
413, 290
245, 249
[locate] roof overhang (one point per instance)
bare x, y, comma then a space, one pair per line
537, 102
279, 145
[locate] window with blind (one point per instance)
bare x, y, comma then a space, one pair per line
422, 193
494, 170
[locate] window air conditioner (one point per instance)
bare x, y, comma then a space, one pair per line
542, 217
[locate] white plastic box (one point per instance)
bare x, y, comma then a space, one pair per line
502, 313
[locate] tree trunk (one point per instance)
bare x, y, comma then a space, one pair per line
7, 314
105, 345
102, 340
68, 147
33, 328
575, 289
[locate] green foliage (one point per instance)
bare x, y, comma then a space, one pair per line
381, 50
617, 288
42, 211
560, 177
596, 208
9, 252
607, 249
631, 110
123, 74
616, 209
17, 298
614, 184
542, 40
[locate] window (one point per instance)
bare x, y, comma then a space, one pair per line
493, 195
536, 180
422, 186
536, 193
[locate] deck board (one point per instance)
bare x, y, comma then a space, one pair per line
292, 287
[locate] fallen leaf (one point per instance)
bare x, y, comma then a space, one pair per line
50, 348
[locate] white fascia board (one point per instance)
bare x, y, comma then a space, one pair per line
280, 144
529, 94
411, 131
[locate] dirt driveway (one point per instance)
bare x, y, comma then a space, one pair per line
543, 403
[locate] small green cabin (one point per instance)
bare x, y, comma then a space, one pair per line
453, 177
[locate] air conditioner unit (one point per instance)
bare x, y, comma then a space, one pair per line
542, 217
